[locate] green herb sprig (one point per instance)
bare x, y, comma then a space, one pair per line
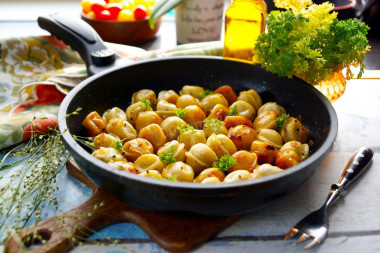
181, 113
146, 103
280, 121
184, 128
206, 93
224, 163
232, 111
213, 122
167, 158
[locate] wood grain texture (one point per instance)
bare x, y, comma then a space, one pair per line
175, 232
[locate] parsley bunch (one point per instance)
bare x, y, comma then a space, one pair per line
311, 43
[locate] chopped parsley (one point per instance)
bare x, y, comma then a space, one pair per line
232, 111
184, 128
146, 102
280, 121
168, 157
206, 93
119, 145
213, 122
224, 163
181, 113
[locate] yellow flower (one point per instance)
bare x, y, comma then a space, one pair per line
296, 6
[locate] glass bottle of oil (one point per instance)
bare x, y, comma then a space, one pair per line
244, 22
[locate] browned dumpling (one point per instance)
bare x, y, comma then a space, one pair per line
195, 91
251, 97
165, 109
179, 171
108, 155
149, 162
287, 158
293, 130
192, 137
238, 175
233, 121
219, 112
242, 136
169, 96
179, 150
154, 134
122, 129
208, 103
271, 136
144, 94
124, 165
266, 152
186, 100
114, 113
135, 148
272, 106
265, 170
146, 118
105, 140
170, 127
243, 108
302, 150
244, 161
194, 116
134, 109
200, 157
266, 119
214, 126
94, 124
151, 173
210, 173
221, 145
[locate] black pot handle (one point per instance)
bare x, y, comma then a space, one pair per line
82, 38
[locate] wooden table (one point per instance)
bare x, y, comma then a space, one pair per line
354, 220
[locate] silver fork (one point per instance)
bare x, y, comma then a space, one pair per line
316, 224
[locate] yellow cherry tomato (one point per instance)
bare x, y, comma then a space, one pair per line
91, 14
86, 6
125, 15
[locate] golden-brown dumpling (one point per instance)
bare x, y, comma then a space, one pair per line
271, 136
192, 137
302, 150
170, 127
179, 150
169, 96
221, 145
244, 161
151, 173
135, 148
146, 118
233, 121
108, 155
165, 109
266, 152
180, 171
186, 100
146, 94
94, 124
124, 165
211, 180
114, 113
134, 109
154, 134
272, 106
244, 109
251, 97
293, 130
219, 112
214, 126
194, 116
105, 140
200, 157
208, 103
287, 158
265, 170
266, 119
122, 129
149, 162
238, 175
195, 91
242, 136
210, 173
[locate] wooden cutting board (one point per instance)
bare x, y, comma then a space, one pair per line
173, 231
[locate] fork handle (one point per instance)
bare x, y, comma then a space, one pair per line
357, 164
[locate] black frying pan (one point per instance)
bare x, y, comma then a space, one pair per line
114, 87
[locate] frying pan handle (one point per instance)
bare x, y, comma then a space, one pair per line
82, 38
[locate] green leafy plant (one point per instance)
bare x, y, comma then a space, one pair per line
206, 93
181, 113
232, 111
224, 163
280, 121
214, 122
309, 42
168, 158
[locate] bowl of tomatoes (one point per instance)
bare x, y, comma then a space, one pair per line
120, 21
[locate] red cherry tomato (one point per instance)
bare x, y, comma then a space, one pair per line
114, 9
140, 12
98, 6
104, 15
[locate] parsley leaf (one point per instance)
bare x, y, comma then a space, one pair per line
181, 113
168, 157
184, 128
146, 102
224, 163
119, 145
214, 122
206, 93
232, 111
280, 121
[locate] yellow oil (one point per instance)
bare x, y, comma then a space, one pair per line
244, 22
